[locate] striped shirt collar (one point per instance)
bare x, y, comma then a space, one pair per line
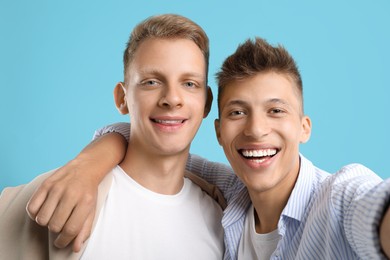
238, 206
301, 194
306, 184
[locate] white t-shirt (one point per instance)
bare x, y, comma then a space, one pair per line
136, 223
254, 245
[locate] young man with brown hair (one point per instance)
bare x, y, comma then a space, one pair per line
147, 209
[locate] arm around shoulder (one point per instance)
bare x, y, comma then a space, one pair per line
218, 174
66, 201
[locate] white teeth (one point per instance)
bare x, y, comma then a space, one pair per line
168, 122
259, 160
259, 153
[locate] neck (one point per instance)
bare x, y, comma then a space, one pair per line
160, 173
270, 204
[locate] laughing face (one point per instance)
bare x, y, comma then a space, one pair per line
165, 94
260, 128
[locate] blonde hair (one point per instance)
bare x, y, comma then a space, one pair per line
167, 26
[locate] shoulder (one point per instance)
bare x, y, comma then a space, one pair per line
209, 189
20, 229
347, 184
17, 197
351, 186
354, 176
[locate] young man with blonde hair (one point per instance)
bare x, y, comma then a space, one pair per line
279, 204
147, 209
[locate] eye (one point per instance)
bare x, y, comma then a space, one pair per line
236, 113
190, 84
150, 82
276, 111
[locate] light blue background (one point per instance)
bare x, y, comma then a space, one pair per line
59, 61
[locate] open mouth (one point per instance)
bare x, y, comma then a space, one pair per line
258, 156
168, 122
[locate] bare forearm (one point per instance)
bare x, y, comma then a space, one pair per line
103, 154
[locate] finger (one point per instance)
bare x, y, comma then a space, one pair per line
84, 233
40, 195
36, 201
63, 240
49, 205
61, 214
76, 221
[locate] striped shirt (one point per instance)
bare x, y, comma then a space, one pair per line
328, 216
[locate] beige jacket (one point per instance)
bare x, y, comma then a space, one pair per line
21, 238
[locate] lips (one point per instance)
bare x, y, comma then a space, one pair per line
168, 121
168, 124
258, 155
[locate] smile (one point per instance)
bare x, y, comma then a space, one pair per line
258, 155
168, 122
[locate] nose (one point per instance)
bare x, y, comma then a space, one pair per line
257, 126
171, 96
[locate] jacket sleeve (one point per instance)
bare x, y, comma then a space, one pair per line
21, 237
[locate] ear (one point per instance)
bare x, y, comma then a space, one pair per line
120, 98
217, 130
306, 129
209, 102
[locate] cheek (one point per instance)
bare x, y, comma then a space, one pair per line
227, 133
196, 100
138, 107
197, 106
287, 125
291, 132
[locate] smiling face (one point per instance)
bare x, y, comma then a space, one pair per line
165, 94
260, 128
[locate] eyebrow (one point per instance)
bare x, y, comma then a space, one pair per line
154, 72
196, 76
278, 101
236, 102
243, 103
158, 72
